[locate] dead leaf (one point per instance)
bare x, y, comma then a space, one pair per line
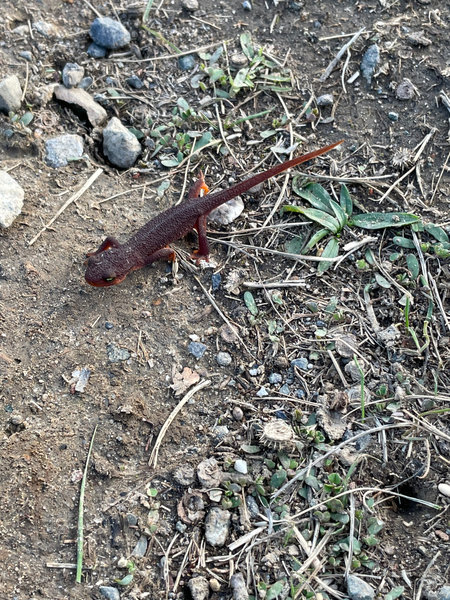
184, 380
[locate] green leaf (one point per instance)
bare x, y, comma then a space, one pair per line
315, 239
294, 245
203, 141
246, 45
345, 200
240, 80
331, 250
278, 478
250, 303
318, 216
183, 104
125, 580
340, 518
215, 57
413, 265
275, 590
315, 194
382, 282
375, 525
437, 232
395, 593
313, 482
170, 162
382, 220
403, 242
162, 187
249, 449
267, 133
27, 117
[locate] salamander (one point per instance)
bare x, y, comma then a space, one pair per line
113, 261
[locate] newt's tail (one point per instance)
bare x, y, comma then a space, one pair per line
217, 198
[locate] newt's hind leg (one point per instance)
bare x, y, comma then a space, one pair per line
203, 247
162, 254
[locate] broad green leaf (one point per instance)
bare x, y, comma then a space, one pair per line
249, 449
331, 223
315, 194
413, 265
240, 80
313, 482
345, 200
170, 162
183, 104
382, 282
27, 117
375, 525
294, 245
250, 303
275, 590
403, 242
382, 220
340, 518
215, 57
278, 478
331, 250
203, 141
246, 45
316, 239
267, 133
437, 232
162, 187
125, 580
395, 593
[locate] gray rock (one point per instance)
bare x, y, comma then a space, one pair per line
120, 146
132, 519
240, 466
197, 349
444, 593
223, 359
220, 432
191, 5
369, 62
95, 113
45, 29
300, 363
86, 83
186, 63
199, 588
72, 74
61, 149
247, 5
116, 354
352, 370
358, 589
325, 100
109, 33
393, 116
237, 584
262, 392
26, 54
96, 51
135, 82
11, 199
209, 473
285, 389
238, 60
252, 506
10, 94
228, 212
141, 547
110, 593
217, 525
238, 413
346, 345
405, 90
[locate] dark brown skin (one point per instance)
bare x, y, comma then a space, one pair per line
112, 262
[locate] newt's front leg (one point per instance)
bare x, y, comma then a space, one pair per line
110, 242
203, 247
162, 254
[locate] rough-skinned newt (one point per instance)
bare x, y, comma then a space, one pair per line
112, 262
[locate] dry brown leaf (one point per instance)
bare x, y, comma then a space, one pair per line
184, 380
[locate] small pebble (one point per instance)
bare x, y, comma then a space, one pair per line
252, 506
223, 359
184, 475
141, 547
62, 149
216, 280
284, 389
135, 82
26, 54
300, 393
221, 432
240, 466
444, 488
300, 363
132, 520
262, 392
280, 414
120, 146
190, 5
181, 527
16, 420
358, 589
10, 94
109, 33
83, 103
238, 414
199, 588
238, 60
209, 473
214, 584
72, 74
110, 593
186, 63
346, 345
444, 593
96, 51
122, 563
11, 199
109, 325
369, 62
197, 349
228, 212
247, 5
44, 28
393, 116
86, 82
325, 100
217, 525
405, 90
116, 354
275, 378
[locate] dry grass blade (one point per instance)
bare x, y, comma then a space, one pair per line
340, 54
154, 455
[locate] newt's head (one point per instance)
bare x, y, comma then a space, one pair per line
106, 268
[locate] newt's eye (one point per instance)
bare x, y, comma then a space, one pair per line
109, 278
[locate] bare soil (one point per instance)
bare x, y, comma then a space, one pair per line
52, 323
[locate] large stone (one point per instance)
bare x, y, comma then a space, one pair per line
10, 94
80, 99
11, 199
120, 146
